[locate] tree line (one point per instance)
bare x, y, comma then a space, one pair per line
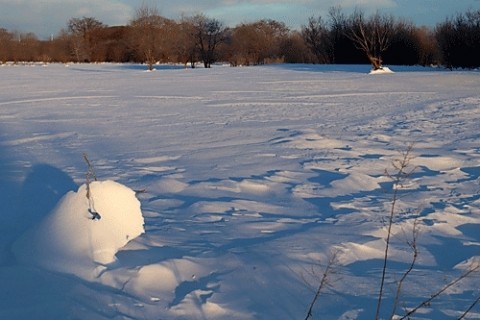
338, 38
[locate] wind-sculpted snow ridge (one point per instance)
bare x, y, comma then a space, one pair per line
250, 178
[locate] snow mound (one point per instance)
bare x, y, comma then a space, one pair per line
69, 239
382, 70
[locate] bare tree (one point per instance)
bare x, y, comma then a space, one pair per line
209, 33
59, 48
427, 46
257, 42
6, 41
371, 35
243, 48
113, 44
338, 38
317, 37
82, 30
293, 49
459, 40
184, 43
270, 35
146, 34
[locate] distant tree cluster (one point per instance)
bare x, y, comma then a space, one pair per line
378, 38
459, 40
344, 39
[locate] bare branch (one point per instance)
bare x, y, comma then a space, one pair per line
329, 269
372, 35
413, 245
475, 302
401, 166
90, 174
440, 291
90, 171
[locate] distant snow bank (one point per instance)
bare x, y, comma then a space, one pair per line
69, 240
382, 70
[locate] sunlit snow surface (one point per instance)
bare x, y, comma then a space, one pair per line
83, 233
251, 177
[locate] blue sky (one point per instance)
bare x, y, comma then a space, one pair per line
45, 17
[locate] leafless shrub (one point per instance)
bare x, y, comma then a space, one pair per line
403, 170
413, 246
426, 302
324, 280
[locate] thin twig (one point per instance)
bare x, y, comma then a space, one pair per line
323, 282
90, 170
413, 246
90, 174
439, 292
475, 302
401, 174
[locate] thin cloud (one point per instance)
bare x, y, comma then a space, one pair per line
48, 17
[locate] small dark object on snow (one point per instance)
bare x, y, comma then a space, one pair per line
95, 215
140, 191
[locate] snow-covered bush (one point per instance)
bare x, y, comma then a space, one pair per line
71, 240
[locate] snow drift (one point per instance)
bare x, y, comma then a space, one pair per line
69, 239
254, 176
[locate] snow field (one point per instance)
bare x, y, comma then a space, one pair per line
252, 177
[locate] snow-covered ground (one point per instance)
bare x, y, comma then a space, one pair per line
250, 178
